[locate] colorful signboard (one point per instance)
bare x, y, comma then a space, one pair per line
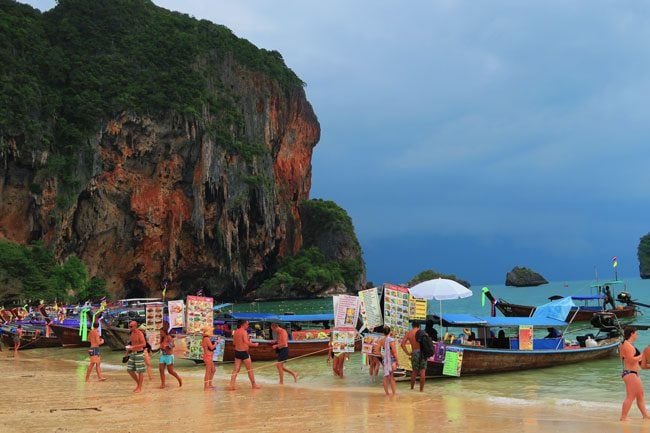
453, 361
313, 334
176, 314
525, 337
396, 309
343, 340
220, 347
370, 308
199, 314
369, 341
417, 308
346, 311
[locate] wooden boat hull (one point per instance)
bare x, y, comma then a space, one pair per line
480, 360
265, 351
29, 342
69, 336
116, 338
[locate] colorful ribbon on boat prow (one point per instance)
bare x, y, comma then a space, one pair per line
484, 290
83, 323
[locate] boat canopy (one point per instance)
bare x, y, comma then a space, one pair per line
222, 306
468, 320
270, 317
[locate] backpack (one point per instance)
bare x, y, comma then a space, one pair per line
426, 344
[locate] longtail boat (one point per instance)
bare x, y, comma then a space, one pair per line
32, 338
582, 313
487, 354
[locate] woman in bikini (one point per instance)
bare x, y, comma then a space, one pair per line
390, 360
633, 386
208, 348
167, 357
337, 358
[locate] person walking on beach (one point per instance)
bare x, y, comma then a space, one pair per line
147, 352
95, 341
282, 349
337, 358
418, 362
242, 343
631, 358
208, 349
390, 360
136, 366
167, 357
17, 337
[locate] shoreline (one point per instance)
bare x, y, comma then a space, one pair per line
49, 395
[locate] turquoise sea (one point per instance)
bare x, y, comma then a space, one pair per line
592, 385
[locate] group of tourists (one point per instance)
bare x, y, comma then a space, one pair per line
136, 356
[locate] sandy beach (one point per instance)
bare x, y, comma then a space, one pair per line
46, 393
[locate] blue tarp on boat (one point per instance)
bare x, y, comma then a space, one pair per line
469, 320
557, 309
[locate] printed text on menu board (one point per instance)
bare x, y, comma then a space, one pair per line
396, 309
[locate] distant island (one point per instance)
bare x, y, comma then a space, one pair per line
524, 277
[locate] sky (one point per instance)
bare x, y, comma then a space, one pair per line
471, 137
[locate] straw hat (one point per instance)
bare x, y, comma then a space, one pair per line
207, 330
467, 331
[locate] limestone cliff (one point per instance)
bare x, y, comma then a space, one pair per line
205, 197
524, 277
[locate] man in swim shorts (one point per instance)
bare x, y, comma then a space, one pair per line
418, 362
136, 366
242, 343
95, 341
282, 349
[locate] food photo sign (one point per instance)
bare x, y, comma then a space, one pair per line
199, 314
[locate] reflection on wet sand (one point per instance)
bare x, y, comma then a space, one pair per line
45, 392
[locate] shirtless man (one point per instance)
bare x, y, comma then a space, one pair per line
242, 343
282, 349
418, 365
17, 336
136, 366
95, 342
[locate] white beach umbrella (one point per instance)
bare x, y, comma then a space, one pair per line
440, 289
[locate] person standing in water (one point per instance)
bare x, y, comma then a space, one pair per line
282, 349
95, 341
17, 336
418, 362
631, 358
167, 357
242, 343
390, 360
208, 349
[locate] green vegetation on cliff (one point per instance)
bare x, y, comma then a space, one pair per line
643, 253
31, 274
430, 274
331, 254
67, 70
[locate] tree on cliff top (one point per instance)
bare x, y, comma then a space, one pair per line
430, 274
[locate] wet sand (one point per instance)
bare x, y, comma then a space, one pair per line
45, 393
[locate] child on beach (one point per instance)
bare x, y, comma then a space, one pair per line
390, 360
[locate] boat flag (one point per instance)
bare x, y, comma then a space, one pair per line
614, 262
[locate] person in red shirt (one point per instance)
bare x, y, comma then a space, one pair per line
95, 342
242, 343
282, 349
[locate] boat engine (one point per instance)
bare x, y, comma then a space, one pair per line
626, 298
606, 322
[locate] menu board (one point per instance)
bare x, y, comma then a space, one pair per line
343, 340
417, 308
346, 311
199, 314
369, 341
176, 314
220, 347
525, 337
402, 356
194, 349
453, 361
370, 308
396, 309
153, 338
181, 349
154, 317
